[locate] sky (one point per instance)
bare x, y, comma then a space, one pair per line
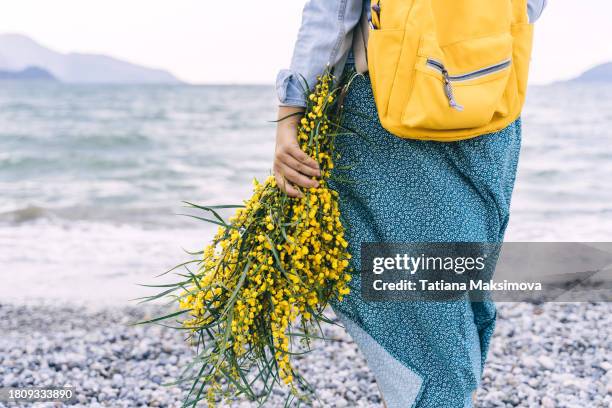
246, 41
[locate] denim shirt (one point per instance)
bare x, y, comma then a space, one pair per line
325, 38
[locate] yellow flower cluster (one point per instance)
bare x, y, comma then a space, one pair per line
271, 270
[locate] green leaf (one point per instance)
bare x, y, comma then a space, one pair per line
178, 266
157, 319
223, 224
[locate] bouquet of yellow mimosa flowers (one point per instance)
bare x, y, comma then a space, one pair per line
261, 286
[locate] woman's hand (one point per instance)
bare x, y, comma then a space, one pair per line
292, 167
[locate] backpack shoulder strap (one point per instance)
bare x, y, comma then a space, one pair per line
360, 42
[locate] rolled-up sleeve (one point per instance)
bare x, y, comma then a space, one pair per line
324, 38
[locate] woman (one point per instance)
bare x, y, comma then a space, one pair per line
423, 354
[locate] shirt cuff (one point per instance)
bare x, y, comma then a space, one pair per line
534, 9
290, 89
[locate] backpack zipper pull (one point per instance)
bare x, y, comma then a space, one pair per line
448, 90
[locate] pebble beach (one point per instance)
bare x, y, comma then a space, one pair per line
555, 355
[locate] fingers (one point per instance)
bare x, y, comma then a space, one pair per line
291, 173
303, 158
285, 186
286, 176
299, 166
297, 178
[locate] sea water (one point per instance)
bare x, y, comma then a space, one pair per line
92, 177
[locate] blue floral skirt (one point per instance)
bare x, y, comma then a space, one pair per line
423, 354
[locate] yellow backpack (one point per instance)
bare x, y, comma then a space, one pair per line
448, 70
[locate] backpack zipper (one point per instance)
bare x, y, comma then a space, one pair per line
448, 79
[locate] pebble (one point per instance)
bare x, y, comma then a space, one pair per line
549, 356
117, 380
340, 403
548, 402
546, 362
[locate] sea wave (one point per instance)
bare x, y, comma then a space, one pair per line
25, 214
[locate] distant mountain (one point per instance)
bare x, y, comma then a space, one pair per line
18, 52
27, 74
600, 73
